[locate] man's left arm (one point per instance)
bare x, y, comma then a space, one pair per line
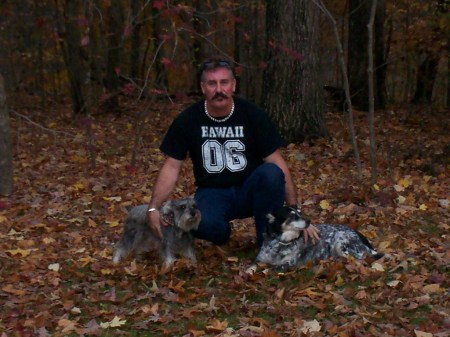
291, 192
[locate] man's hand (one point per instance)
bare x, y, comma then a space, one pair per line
154, 221
311, 233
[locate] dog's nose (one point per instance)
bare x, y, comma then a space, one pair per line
193, 213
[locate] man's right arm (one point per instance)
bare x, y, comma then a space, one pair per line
164, 185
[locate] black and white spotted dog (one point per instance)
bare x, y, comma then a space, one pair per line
284, 245
182, 216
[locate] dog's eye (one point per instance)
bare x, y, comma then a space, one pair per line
183, 207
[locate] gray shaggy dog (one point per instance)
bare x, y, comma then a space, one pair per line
182, 216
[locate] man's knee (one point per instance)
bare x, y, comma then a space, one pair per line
271, 175
217, 233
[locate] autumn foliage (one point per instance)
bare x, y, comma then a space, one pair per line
57, 232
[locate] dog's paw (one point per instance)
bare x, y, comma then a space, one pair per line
118, 255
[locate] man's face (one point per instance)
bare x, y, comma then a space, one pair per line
218, 86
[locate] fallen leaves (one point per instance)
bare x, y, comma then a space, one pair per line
56, 238
114, 323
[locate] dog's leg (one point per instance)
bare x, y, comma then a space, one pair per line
125, 246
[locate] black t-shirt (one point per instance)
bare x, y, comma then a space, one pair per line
223, 154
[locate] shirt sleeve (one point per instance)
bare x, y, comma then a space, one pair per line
175, 143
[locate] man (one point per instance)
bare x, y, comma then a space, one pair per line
234, 148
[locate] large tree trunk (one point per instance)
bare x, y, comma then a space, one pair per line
161, 81
292, 92
202, 44
249, 52
6, 167
359, 15
114, 53
135, 27
426, 76
380, 65
72, 57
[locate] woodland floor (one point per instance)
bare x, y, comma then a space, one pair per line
58, 228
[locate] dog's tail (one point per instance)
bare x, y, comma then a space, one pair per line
377, 255
373, 253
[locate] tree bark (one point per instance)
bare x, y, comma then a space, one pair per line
6, 166
71, 54
359, 16
249, 52
293, 95
426, 76
135, 39
114, 53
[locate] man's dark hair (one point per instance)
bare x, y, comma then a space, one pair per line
214, 63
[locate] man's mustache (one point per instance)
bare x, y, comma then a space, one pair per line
219, 95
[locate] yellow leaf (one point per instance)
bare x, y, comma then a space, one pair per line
106, 271
376, 187
217, 326
310, 163
340, 281
404, 182
67, 325
78, 186
3, 218
23, 252
324, 204
86, 260
423, 207
116, 322
377, 266
112, 198
422, 334
113, 224
48, 240
432, 288
41, 225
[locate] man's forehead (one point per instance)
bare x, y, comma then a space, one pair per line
220, 73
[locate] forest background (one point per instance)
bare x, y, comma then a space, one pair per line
359, 89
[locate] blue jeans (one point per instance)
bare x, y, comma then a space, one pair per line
261, 193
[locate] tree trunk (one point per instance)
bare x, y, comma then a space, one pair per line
71, 54
203, 46
426, 76
292, 91
249, 52
380, 65
114, 53
6, 167
359, 16
162, 81
135, 27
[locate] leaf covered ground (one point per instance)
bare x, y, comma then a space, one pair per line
58, 228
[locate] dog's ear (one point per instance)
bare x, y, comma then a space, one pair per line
166, 208
271, 218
